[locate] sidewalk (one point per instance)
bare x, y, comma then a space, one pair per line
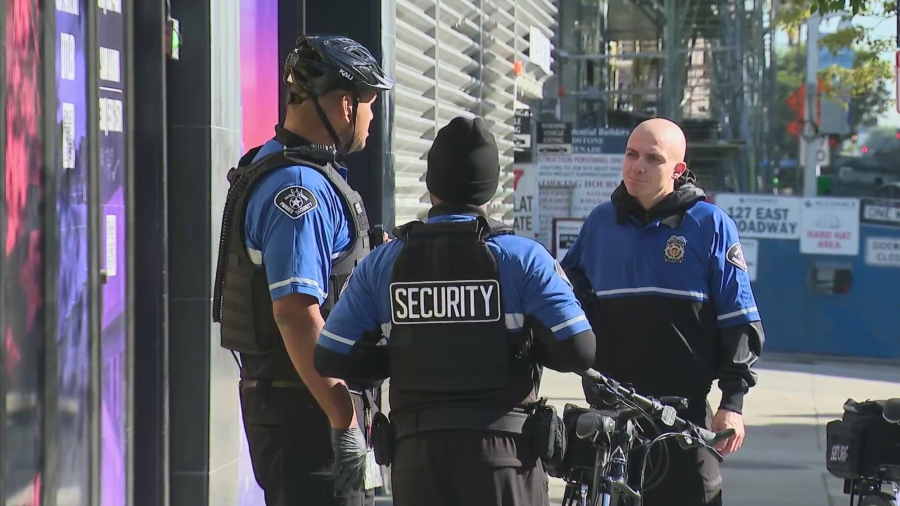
782, 462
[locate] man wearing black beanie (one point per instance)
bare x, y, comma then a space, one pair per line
463, 164
458, 299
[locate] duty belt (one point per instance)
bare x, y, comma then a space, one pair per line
252, 383
245, 384
422, 420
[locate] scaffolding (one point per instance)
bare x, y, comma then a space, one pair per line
706, 64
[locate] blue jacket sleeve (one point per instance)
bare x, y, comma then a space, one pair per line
291, 228
741, 337
564, 339
356, 312
350, 347
548, 296
731, 292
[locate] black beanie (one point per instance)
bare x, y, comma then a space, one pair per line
463, 163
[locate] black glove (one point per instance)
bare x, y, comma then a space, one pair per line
349, 448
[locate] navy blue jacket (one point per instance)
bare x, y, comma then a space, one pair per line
674, 308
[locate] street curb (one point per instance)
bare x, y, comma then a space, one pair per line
809, 358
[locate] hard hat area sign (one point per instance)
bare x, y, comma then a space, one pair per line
830, 226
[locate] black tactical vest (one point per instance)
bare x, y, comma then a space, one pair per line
449, 343
241, 301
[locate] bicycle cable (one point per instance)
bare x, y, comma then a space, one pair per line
659, 438
663, 463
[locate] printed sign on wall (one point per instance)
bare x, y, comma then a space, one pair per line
880, 212
883, 251
525, 196
830, 226
762, 216
565, 231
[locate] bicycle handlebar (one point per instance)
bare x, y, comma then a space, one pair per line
667, 414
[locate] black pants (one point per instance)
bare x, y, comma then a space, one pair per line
692, 479
457, 468
290, 447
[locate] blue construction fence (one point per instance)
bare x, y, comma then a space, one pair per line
846, 305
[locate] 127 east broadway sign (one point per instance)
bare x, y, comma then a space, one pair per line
880, 212
762, 216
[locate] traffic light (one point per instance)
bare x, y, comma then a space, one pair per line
865, 149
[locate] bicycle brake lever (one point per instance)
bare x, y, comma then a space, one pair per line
715, 453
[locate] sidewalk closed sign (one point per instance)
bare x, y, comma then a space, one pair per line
762, 216
883, 251
830, 226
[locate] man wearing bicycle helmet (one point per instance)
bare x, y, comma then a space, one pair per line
670, 301
457, 299
292, 232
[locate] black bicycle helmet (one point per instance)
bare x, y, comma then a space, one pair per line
322, 63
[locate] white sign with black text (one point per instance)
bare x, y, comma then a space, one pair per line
762, 216
565, 231
571, 186
830, 226
883, 251
880, 212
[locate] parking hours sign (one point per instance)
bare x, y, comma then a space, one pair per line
830, 226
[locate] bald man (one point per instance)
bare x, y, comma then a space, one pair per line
664, 283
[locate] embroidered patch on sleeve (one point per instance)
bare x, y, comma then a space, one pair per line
562, 274
735, 255
295, 201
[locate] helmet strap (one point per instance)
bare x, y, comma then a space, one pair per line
324, 119
339, 147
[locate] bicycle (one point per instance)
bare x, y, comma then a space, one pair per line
612, 433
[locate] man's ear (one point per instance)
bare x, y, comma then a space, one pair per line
680, 167
347, 106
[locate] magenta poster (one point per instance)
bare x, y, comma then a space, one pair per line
72, 429
113, 412
22, 264
260, 75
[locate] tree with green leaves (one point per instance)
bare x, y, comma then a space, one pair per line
853, 6
865, 106
869, 68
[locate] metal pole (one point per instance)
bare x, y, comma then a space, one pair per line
671, 42
811, 167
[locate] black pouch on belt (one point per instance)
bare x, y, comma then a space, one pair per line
382, 439
549, 433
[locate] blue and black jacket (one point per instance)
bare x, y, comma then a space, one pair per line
670, 298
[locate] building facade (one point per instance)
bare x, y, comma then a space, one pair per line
459, 58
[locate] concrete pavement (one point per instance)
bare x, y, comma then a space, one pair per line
782, 462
